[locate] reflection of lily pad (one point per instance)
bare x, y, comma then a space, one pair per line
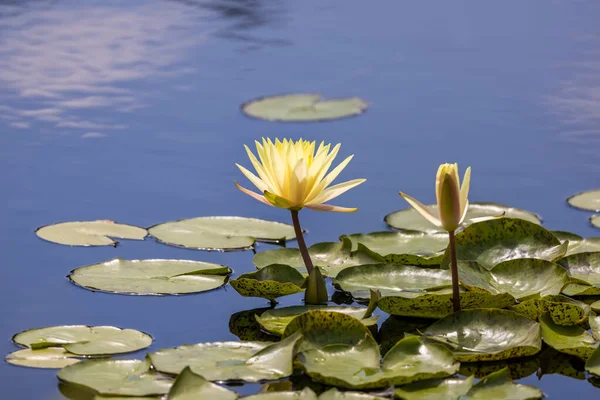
221, 361
276, 320
407, 247
410, 219
518, 368
89, 233
499, 385
562, 309
330, 257
150, 277
585, 269
303, 107
116, 377
395, 328
438, 303
85, 340
53, 357
487, 335
271, 282
555, 362
494, 241
189, 386
221, 233
447, 389
589, 200
244, 325
573, 340
592, 365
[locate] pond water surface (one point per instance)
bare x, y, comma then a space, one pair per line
129, 110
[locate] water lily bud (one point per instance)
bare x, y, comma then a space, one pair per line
316, 290
449, 203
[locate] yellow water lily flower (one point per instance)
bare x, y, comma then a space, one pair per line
292, 175
452, 198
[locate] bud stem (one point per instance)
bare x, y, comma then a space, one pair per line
454, 269
301, 243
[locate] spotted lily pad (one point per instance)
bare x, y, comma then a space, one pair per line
304, 394
589, 200
562, 309
221, 233
448, 389
53, 357
585, 269
150, 277
410, 219
85, 340
592, 365
116, 377
573, 340
406, 247
189, 386
487, 335
271, 282
89, 233
330, 257
222, 361
497, 240
499, 385
395, 328
303, 107
276, 320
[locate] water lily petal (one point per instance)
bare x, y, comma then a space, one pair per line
252, 194
253, 178
329, 207
423, 210
279, 201
336, 190
464, 191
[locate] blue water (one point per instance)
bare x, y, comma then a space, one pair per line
129, 110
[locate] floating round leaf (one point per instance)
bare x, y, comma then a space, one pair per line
595, 306
592, 365
221, 233
562, 309
304, 394
330, 257
499, 385
89, 233
151, 277
585, 269
410, 219
116, 377
303, 107
395, 328
85, 340
221, 361
447, 389
589, 200
276, 320
406, 247
494, 241
487, 335
595, 326
595, 220
271, 282
573, 340
54, 357
577, 244
334, 394
189, 386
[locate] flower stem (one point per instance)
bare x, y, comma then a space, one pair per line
454, 269
301, 243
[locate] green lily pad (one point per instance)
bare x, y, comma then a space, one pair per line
304, 394
584, 268
595, 220
85, 340
53, 357
221, 233
150, 277
89, 233
116, 377
595, 306
395, 328
270, 282
577, 244
562, 309
487, 335
222, 361
438, 303
189, 386
497, 240
589, 200
592, 365
595, 326
573, 340
244, 325
448, 389
330, 257
410, 219
276, 320
407, 247
391, 279
518, 367
555, 362
334, 394
303, 107
499, 385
